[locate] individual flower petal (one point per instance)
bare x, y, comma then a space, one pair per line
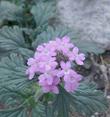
45, 79
40, 48
55, 89
31, 71
71, 87
80, 59
66, 65
46, 89
56, 81
66, 39
82, 56
31, 61
49, 80
75, 51
60, 73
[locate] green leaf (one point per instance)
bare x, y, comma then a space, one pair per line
42, 12
50, 34
39, 110
26, 52
14, 113
11, 38
12, 72
16, 105
22, 112
3, 53
9, 11
86, 101
21, 103
88, 46
62, 104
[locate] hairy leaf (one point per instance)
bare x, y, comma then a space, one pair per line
13, 113
22, 104
9, 11
50, 34
26, 52
3, 53
62, 104
86, 101
13, 102
42, 12
88, 46
39, 110
23, 112
12, 71
11, 38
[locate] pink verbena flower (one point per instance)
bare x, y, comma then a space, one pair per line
52, 63
32, 68
70, 87
76, 56
47, 65
65, 44
71, 78
67, 73
49, 83
65, 69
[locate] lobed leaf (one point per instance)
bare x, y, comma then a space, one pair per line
21, 104
50, 34
89, 46
12, 71
86, 100
42, 12
11, 38
9, 11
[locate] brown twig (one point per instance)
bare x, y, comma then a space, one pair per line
103, 69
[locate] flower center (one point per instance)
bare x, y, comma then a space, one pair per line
61, 57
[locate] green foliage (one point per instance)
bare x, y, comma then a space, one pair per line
42, 12
9, 11
86, 101
89, 46
89, 100
19, 104
11, 38
12, 71
50, 34
39, 110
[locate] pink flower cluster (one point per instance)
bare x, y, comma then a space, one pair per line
52, 62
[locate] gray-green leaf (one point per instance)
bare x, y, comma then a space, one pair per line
12, 72
11, 38
50, 34
88, 46
42, 12
9, 11
86, 100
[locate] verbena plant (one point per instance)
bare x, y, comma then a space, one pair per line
24, 26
